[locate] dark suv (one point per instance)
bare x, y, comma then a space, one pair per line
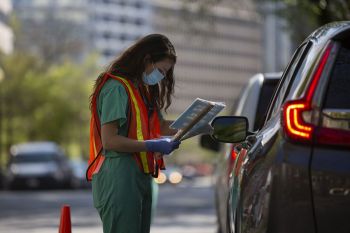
293, 175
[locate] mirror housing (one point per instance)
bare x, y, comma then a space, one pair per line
207, 142
231, 129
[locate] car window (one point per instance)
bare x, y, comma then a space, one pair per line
284, 85
266, 93
297, 87
31, 158
238, 99
249, 104
338, 93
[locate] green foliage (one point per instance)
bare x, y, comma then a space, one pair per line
44, 94
304, 16
48, 103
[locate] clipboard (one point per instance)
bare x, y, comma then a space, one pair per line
199, 114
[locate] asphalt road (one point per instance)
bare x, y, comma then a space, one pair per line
186, 208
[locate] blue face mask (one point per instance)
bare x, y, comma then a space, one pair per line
153, 78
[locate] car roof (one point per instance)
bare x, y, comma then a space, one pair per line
328, 31
33, 147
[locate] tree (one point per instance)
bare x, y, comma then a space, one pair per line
304, 16
46, 104
46, 85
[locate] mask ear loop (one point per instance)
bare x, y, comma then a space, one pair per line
160, 71
154, 67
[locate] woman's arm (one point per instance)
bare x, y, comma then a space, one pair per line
165, 130
112, 141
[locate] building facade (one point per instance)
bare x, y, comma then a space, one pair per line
74, 11
116, 24
218, 49
6, 34
53, 29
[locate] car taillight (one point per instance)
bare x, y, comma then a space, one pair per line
295, 125
294, 121
233, 154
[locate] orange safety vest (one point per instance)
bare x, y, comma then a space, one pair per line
142, 126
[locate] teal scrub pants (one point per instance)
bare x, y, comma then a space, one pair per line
122, 195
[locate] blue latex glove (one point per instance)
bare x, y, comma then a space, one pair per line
162, 145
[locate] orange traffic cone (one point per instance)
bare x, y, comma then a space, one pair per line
65, 224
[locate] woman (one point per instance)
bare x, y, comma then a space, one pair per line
126, 147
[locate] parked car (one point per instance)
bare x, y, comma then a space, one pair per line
252, 103
293, 175
38, 164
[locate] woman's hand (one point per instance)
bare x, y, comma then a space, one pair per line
162, 145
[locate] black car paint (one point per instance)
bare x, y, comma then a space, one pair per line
292, 187
226, 161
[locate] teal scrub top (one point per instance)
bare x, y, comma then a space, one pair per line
112, 105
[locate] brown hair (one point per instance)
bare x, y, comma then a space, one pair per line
131, 65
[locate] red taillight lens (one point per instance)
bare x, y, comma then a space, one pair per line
294, 124
233, 154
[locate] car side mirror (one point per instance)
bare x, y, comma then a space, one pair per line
207, 142
231, 129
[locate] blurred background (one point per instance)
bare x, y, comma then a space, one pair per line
51, 51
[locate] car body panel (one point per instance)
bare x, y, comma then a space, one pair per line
283, 185
250, 103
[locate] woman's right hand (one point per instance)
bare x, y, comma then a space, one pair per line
162, 145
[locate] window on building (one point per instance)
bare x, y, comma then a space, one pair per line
138, 21
107, 53
106, 18
122, 20
122, 37
107, 35
139, 5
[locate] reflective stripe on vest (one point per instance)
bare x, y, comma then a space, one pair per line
138, 125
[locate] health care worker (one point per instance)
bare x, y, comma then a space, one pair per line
126, 147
